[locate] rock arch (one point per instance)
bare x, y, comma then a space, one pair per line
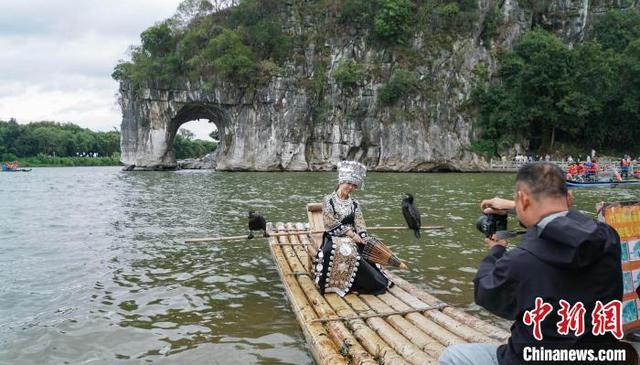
256, 131
216, 114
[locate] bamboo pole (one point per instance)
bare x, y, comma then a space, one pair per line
233, 238
309, 247
303, 273
315, 207
396, 340
381, 315
438, 333
291, 244
462, 330
300, 249
496, 333
400, 228
338, 332
323, 350
299, 232
427, 344
365, 335
215, 239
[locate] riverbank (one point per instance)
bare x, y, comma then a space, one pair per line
50, 161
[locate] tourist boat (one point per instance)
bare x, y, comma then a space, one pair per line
10, 166
13, 167
601, 184
406, 325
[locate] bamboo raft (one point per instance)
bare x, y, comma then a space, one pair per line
403, 326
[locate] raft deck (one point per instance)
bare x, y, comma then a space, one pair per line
406, 325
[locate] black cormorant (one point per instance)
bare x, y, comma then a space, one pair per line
411, 214
256, 223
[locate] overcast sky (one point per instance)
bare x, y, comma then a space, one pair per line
57, 56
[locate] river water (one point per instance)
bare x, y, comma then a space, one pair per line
94, 269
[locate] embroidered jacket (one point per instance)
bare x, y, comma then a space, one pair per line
336, 214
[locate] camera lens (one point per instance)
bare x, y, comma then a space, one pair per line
483, 224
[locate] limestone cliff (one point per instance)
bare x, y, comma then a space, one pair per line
286, 125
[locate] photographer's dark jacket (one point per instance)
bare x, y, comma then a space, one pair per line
573, 257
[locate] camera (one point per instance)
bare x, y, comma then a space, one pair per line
489, 224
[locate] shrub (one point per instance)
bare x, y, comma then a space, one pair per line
393, 20
349, 74
227, 55
490, 26
401, 84
158, 40
267, 40
184, 147
616, 29
357, 11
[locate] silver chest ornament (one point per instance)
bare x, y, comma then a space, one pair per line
342, 207
346, 250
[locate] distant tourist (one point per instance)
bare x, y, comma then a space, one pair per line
625, 164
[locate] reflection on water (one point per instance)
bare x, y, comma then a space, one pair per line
94, 268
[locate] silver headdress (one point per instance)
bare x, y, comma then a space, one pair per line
351, 172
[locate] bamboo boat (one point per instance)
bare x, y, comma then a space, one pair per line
406, 325
601, 184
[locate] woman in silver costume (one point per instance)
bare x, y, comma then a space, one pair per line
340, 268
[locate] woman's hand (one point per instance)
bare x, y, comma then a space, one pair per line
359, 240
355, 237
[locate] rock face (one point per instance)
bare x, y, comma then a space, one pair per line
286, 126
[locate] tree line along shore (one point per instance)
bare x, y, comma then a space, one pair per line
40, 144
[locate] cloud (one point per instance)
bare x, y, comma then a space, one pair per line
57, 57
83, 107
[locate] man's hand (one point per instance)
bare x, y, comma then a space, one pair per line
492, 241
497, 206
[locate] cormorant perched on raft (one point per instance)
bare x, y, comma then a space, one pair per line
411, 214
257, 223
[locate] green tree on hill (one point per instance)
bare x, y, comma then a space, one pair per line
201, 44
394, 19
547, 92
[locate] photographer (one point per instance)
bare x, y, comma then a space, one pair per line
563, 255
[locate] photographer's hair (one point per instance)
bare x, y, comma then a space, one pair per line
543, 180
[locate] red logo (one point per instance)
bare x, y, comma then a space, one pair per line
607, 318
571, 318
537, 315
